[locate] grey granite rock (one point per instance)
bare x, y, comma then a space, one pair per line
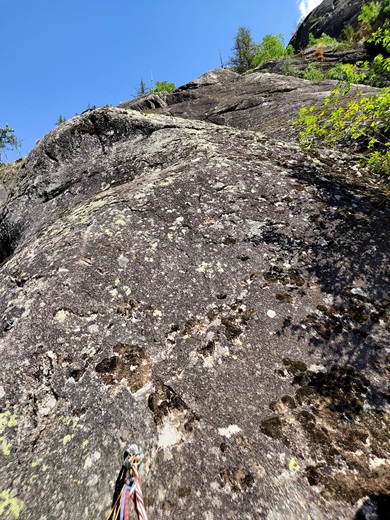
211, 293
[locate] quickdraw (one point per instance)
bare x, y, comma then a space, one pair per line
129, 486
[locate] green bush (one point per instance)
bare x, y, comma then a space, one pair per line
287, 68
163, 86
247, 54
346, 72
271, 47
313, 73
323, 41
363, 123
349, 35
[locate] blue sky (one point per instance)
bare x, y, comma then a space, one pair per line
61, 57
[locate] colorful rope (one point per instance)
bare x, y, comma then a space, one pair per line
131, 490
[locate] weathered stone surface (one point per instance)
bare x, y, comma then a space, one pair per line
330, 17
259, 101
215, 295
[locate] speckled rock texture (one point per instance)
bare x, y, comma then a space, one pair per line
330, 17
213, 294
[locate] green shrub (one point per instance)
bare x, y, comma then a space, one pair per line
313, 73
163, 86
271, 47
346, 72
323, 41
247, 54
363, 123
287, 68
349, 35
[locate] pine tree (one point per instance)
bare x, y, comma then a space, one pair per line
244, 50
7, 140
142, 90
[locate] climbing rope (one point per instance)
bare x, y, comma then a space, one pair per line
129, 481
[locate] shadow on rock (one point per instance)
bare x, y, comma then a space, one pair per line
347, 258
374, 508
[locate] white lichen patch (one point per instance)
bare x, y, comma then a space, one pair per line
92, 459
209, 269
122, 261
120, 222
61, 316
232, 429
169, 435
114, 293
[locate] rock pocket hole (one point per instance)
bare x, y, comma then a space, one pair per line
129, 362
8, 241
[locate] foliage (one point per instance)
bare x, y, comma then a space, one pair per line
287, 68
163, 86
244, 51
8, 140
349, 35
313, 73
271, 47
346, 73
323, 41
370, 14
381, 63
61, 119
363, 122
247, 54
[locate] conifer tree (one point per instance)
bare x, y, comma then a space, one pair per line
244, 50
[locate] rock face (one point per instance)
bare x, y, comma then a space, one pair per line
211, 293
330, 17
258, 101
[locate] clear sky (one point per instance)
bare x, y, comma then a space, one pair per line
59, 57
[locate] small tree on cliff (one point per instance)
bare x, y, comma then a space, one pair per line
7, 140
244, 50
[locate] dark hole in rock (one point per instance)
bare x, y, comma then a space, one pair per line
238, 479
272, 427
8, 241
175, 328
165, 401
208, 349
221, 296
232, 330
129, 362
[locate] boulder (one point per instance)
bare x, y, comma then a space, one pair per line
330, 17
211, 293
